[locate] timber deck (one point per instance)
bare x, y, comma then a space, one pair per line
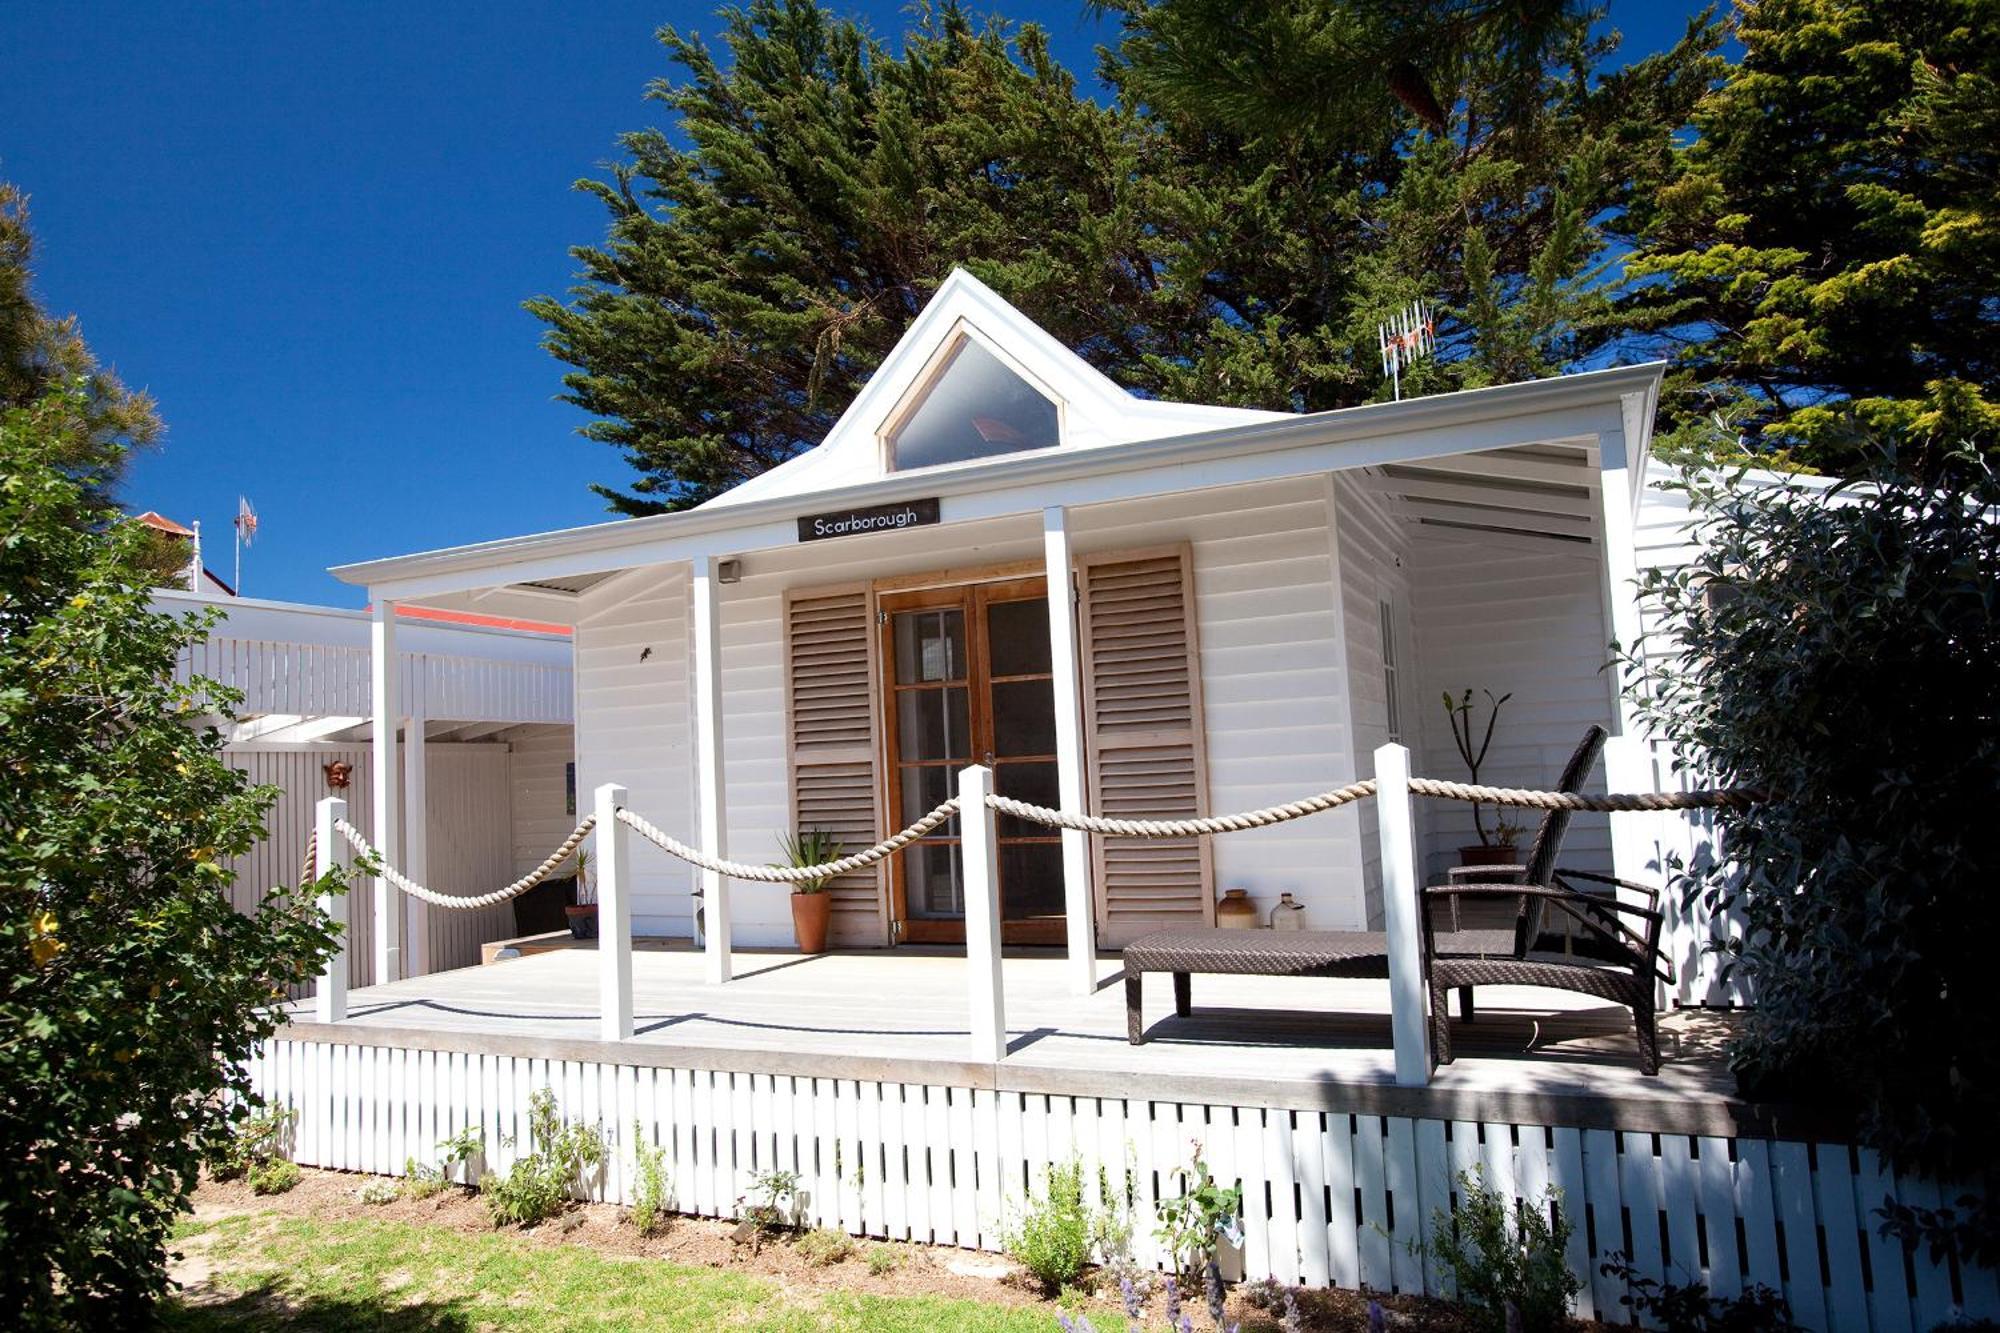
1537, 1055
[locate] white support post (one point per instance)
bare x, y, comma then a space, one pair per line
614, 915
707, 631
1628, 760
330, 853
1079, 909
385, 675
979, 850
416, 829
1401, 920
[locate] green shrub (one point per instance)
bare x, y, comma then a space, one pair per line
132, 994
824, 1246
1503, 1258
652, 1193
771, 1201
1055, 1234
422, 1180
542, 1182
1840, 654
379, 1191
261, 1136
273, 1177
1203, 1214
883, 1260
1674, 1308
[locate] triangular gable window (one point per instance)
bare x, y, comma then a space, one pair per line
973, 407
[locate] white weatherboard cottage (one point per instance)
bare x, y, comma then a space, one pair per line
1245, 605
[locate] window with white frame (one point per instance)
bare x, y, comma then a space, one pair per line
974, 407
1393, 696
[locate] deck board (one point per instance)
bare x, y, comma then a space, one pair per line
1281, 1038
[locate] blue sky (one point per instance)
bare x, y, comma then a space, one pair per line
308, 228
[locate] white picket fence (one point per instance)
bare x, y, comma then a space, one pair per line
1329, 1197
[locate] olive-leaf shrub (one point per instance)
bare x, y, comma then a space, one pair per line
1838, 649
131, 993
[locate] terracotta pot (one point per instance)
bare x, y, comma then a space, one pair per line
810, 914
582, 921
1236, 911
1496, 855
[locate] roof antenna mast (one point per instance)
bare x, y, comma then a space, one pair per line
1405, 336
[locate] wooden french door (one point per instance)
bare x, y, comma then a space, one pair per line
967, 674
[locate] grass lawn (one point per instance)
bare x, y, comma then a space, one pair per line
268, 1269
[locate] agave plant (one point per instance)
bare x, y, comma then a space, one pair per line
809, 847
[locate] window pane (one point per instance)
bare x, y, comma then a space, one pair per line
931, 723
1017, 636
931, 880
976, 408
1030, 880
930, 645
1037, 784
1024, 717
924, 789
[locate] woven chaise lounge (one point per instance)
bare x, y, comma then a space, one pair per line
1612, 961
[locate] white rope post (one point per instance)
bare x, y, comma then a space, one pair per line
979, 848
1079, 912
614, 915
330, 853
1400, 916
416, 829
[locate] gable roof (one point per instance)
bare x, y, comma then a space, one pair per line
1096, 411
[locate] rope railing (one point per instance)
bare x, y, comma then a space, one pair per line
562, 853
767, 874
1207, 826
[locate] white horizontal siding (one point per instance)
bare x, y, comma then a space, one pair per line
633, 727
540, 793
1514, 620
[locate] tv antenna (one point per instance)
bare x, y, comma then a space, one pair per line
1405, 336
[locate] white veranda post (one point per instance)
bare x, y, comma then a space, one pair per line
707, 631
1400, 916
614, 914
979, 851
384, 679
1628, 760
330, 853
416, 861
1080, 913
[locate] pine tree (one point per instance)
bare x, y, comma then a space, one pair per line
1823, 262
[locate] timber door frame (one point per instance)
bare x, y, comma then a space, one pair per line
973, 596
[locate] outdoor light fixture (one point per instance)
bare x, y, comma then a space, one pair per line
728, 571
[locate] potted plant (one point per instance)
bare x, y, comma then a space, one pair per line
1498, 847
812, 906
582, 913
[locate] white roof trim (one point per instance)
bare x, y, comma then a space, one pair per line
1465, 422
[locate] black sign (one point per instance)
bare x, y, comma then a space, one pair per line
874, 518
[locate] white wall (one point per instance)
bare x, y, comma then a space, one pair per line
633, 728
1520, 616
539, 792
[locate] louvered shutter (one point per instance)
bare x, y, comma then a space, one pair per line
1142, 716
831, 731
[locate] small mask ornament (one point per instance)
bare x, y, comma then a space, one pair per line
338, 774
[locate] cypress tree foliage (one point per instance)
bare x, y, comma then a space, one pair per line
1212, 235
1824, 259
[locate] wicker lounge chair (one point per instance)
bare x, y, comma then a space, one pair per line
1469, 954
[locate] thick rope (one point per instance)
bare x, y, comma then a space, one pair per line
1185, 828
894, 843
520, 886
1617, 802
310, 871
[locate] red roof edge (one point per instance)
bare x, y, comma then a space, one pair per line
444, 617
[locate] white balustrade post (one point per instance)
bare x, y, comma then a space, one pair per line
385, 675
416, 829
614, 915
330, 853
979, 851
709, 779
1080, 913
1401, 919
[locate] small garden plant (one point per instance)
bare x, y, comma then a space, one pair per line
542, 1182
1192, 1224
255, 1153
1694, 1309
422, 1180
652, 1193
1507, 1263
1057, 1234
822, 1247
767, 1207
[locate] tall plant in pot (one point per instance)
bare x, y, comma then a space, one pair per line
582, 913
812, 905
1497, 847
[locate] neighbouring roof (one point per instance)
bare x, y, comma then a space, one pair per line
164, 524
